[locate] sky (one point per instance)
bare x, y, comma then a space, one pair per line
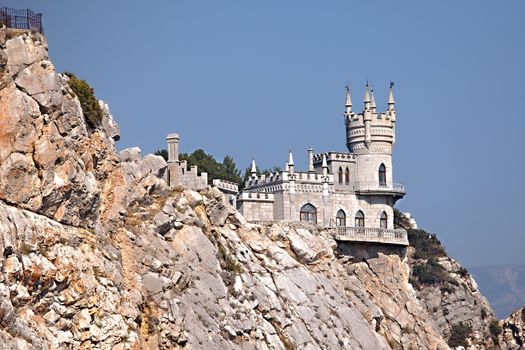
257, 78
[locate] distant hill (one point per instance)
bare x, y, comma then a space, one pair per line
503, 285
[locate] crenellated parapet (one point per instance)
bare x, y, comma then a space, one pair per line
274, 181
332, 157
370, 131
226, 186
178, 172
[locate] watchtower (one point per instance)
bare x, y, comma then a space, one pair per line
370, 136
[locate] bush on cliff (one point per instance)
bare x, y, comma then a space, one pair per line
495, 330
459, 334
88, 101
430, 272
400, 220
426, 245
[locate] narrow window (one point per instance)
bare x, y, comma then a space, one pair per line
359, 219
340, 176
308, 213
383, 221
347, 176
382, 175
340, 218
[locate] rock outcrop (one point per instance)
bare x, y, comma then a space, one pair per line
458, 301
98, 253
512, 336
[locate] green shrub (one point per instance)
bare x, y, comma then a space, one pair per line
463, 272
88, 101
495, 330
430, 273
483, 314
459, 334
163, 153
427, 245
447, 288
400, 220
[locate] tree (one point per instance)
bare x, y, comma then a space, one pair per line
163, 153
88, 102
231, 173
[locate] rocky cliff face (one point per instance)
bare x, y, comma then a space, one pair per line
97, 252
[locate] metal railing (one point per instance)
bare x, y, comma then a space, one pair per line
369, 234
375, 186
21, 19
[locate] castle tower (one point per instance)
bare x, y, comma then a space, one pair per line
173, 147
370, 135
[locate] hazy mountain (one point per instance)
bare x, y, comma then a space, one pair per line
503, 285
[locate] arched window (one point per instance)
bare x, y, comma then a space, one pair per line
382, 175
309, 213
347, 176
340, 176
383, 221
340, 218
359, 219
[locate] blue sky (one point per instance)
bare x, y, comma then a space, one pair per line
254, 78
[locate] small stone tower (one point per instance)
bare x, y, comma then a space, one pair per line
370, 135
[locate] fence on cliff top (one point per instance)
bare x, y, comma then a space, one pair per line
21, 19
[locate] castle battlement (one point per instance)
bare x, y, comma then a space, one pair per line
307, 177
178, 173
225, 185
369, 127
333, 156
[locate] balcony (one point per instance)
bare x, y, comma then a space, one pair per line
377, 188
368, 234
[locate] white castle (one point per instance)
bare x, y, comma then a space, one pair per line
352, 192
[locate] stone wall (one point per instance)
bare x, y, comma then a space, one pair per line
256, 206
179, 175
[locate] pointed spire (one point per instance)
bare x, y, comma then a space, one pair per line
325, 166
253, 170
373, 100
348, 101
391, 100
367, 93
290, 158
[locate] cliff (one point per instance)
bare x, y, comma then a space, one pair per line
97, 252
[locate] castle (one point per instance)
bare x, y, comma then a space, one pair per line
352, 192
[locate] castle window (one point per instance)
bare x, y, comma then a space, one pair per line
340, 218
347, 176
383, 221
359, 219
382, 175
309, 213
340, 176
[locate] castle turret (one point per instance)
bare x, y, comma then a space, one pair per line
370, 135
373, 105
311, 160
173, 147
348, 101
325, 166
290, 163
391, 114
253, 170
